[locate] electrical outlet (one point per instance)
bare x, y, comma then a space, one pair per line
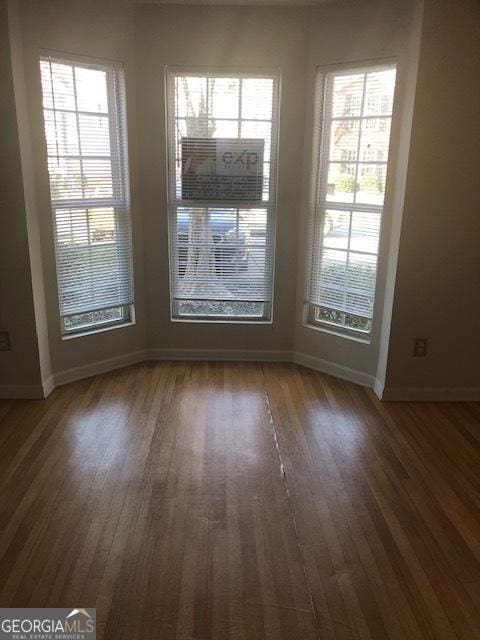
420, 347
4, 341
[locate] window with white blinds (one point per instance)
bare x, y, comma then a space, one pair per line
222, 164
85, 130
351, 142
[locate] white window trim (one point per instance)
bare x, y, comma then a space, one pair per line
103, 325
117, 67
128, 321
172, 201
316, 156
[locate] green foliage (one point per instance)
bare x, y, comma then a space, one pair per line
336, 273
357, 322
345, 183
342, 319
332, 316
94, 317
371, 183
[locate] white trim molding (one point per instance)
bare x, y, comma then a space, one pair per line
389, 394
102, 366
48, 386
334, 369
247, 355
378, 387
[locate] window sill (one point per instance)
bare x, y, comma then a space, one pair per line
338, 333
93, 331
221, 321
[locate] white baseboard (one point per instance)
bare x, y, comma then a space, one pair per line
232, 355
394, 394
378, 387
430, 394
102, 366
248, 355
333, 369
48, 386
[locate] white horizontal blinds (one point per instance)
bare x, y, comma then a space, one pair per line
353, 137
222, 167
85, 130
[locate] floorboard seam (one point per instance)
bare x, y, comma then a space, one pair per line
290, 508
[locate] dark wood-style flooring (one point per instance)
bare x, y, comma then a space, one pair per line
242, 501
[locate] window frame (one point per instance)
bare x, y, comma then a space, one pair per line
174, 202
120, 198
127, 311
315, 218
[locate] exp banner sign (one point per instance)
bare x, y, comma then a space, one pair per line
47, 624
222, 168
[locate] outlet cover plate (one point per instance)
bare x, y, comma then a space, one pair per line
4, 341
420, 347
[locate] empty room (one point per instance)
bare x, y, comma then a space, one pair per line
238, 242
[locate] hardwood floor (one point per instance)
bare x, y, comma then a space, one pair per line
242, 501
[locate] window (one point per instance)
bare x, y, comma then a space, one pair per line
347, 203
85, 130
222, 157
351, 103
347, 156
